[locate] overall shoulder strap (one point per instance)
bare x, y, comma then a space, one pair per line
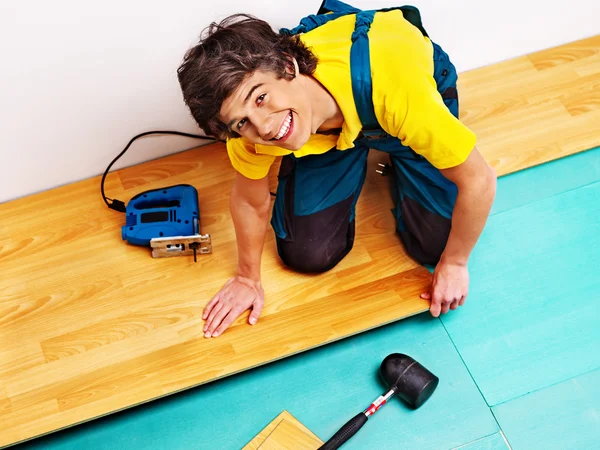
329, 10
360, 65
360, 56
360, 68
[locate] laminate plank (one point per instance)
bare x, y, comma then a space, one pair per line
288, 437
588, 66
285, 431
578, 96
566, 54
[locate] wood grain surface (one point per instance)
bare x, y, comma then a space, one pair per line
285, 432
90, 325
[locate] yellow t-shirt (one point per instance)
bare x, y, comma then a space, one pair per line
405, 98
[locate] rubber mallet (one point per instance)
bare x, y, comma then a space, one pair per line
406, 378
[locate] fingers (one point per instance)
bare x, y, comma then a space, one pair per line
217, 321
445, 307
227, 320
452, 304
257, 307
441, 304
439, 299
213, 301
209, 306
208, 326
449, 288
436, 304
434, 309
235, 297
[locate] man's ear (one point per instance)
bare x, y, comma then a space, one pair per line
292, 67
296, 68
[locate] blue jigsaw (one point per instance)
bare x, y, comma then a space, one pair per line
168, 220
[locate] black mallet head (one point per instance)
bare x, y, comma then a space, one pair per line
412, 382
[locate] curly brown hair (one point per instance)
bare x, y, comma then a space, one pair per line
230, 51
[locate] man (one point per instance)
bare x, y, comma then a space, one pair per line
274, 94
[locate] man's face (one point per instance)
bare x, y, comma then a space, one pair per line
270, 111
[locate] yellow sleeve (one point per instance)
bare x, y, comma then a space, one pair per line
246, 161
415, 113
407, 103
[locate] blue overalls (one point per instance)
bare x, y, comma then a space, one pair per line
314, 211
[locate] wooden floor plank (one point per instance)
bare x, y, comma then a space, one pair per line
566, 54
287, 436
588, 66
90, 325
580, 88
284, 432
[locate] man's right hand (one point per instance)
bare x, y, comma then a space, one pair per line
250, 203
235, 297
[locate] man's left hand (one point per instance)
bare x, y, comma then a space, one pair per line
449, 288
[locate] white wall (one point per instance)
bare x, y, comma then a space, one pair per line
79, 79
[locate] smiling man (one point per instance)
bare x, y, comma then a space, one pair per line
320, 102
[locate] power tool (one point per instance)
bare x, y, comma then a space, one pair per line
166, 219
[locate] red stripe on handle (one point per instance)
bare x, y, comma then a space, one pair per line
374, 407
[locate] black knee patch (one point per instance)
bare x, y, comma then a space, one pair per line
425, 234
319, 241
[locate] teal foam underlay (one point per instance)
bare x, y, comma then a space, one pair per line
532, 313
493, 442
563, 416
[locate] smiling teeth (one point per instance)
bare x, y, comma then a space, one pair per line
285, 128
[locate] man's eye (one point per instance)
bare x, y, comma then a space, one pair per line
241, 124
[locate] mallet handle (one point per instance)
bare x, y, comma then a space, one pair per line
346, 432
355, 424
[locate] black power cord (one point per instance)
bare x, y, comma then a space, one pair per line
118, 205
